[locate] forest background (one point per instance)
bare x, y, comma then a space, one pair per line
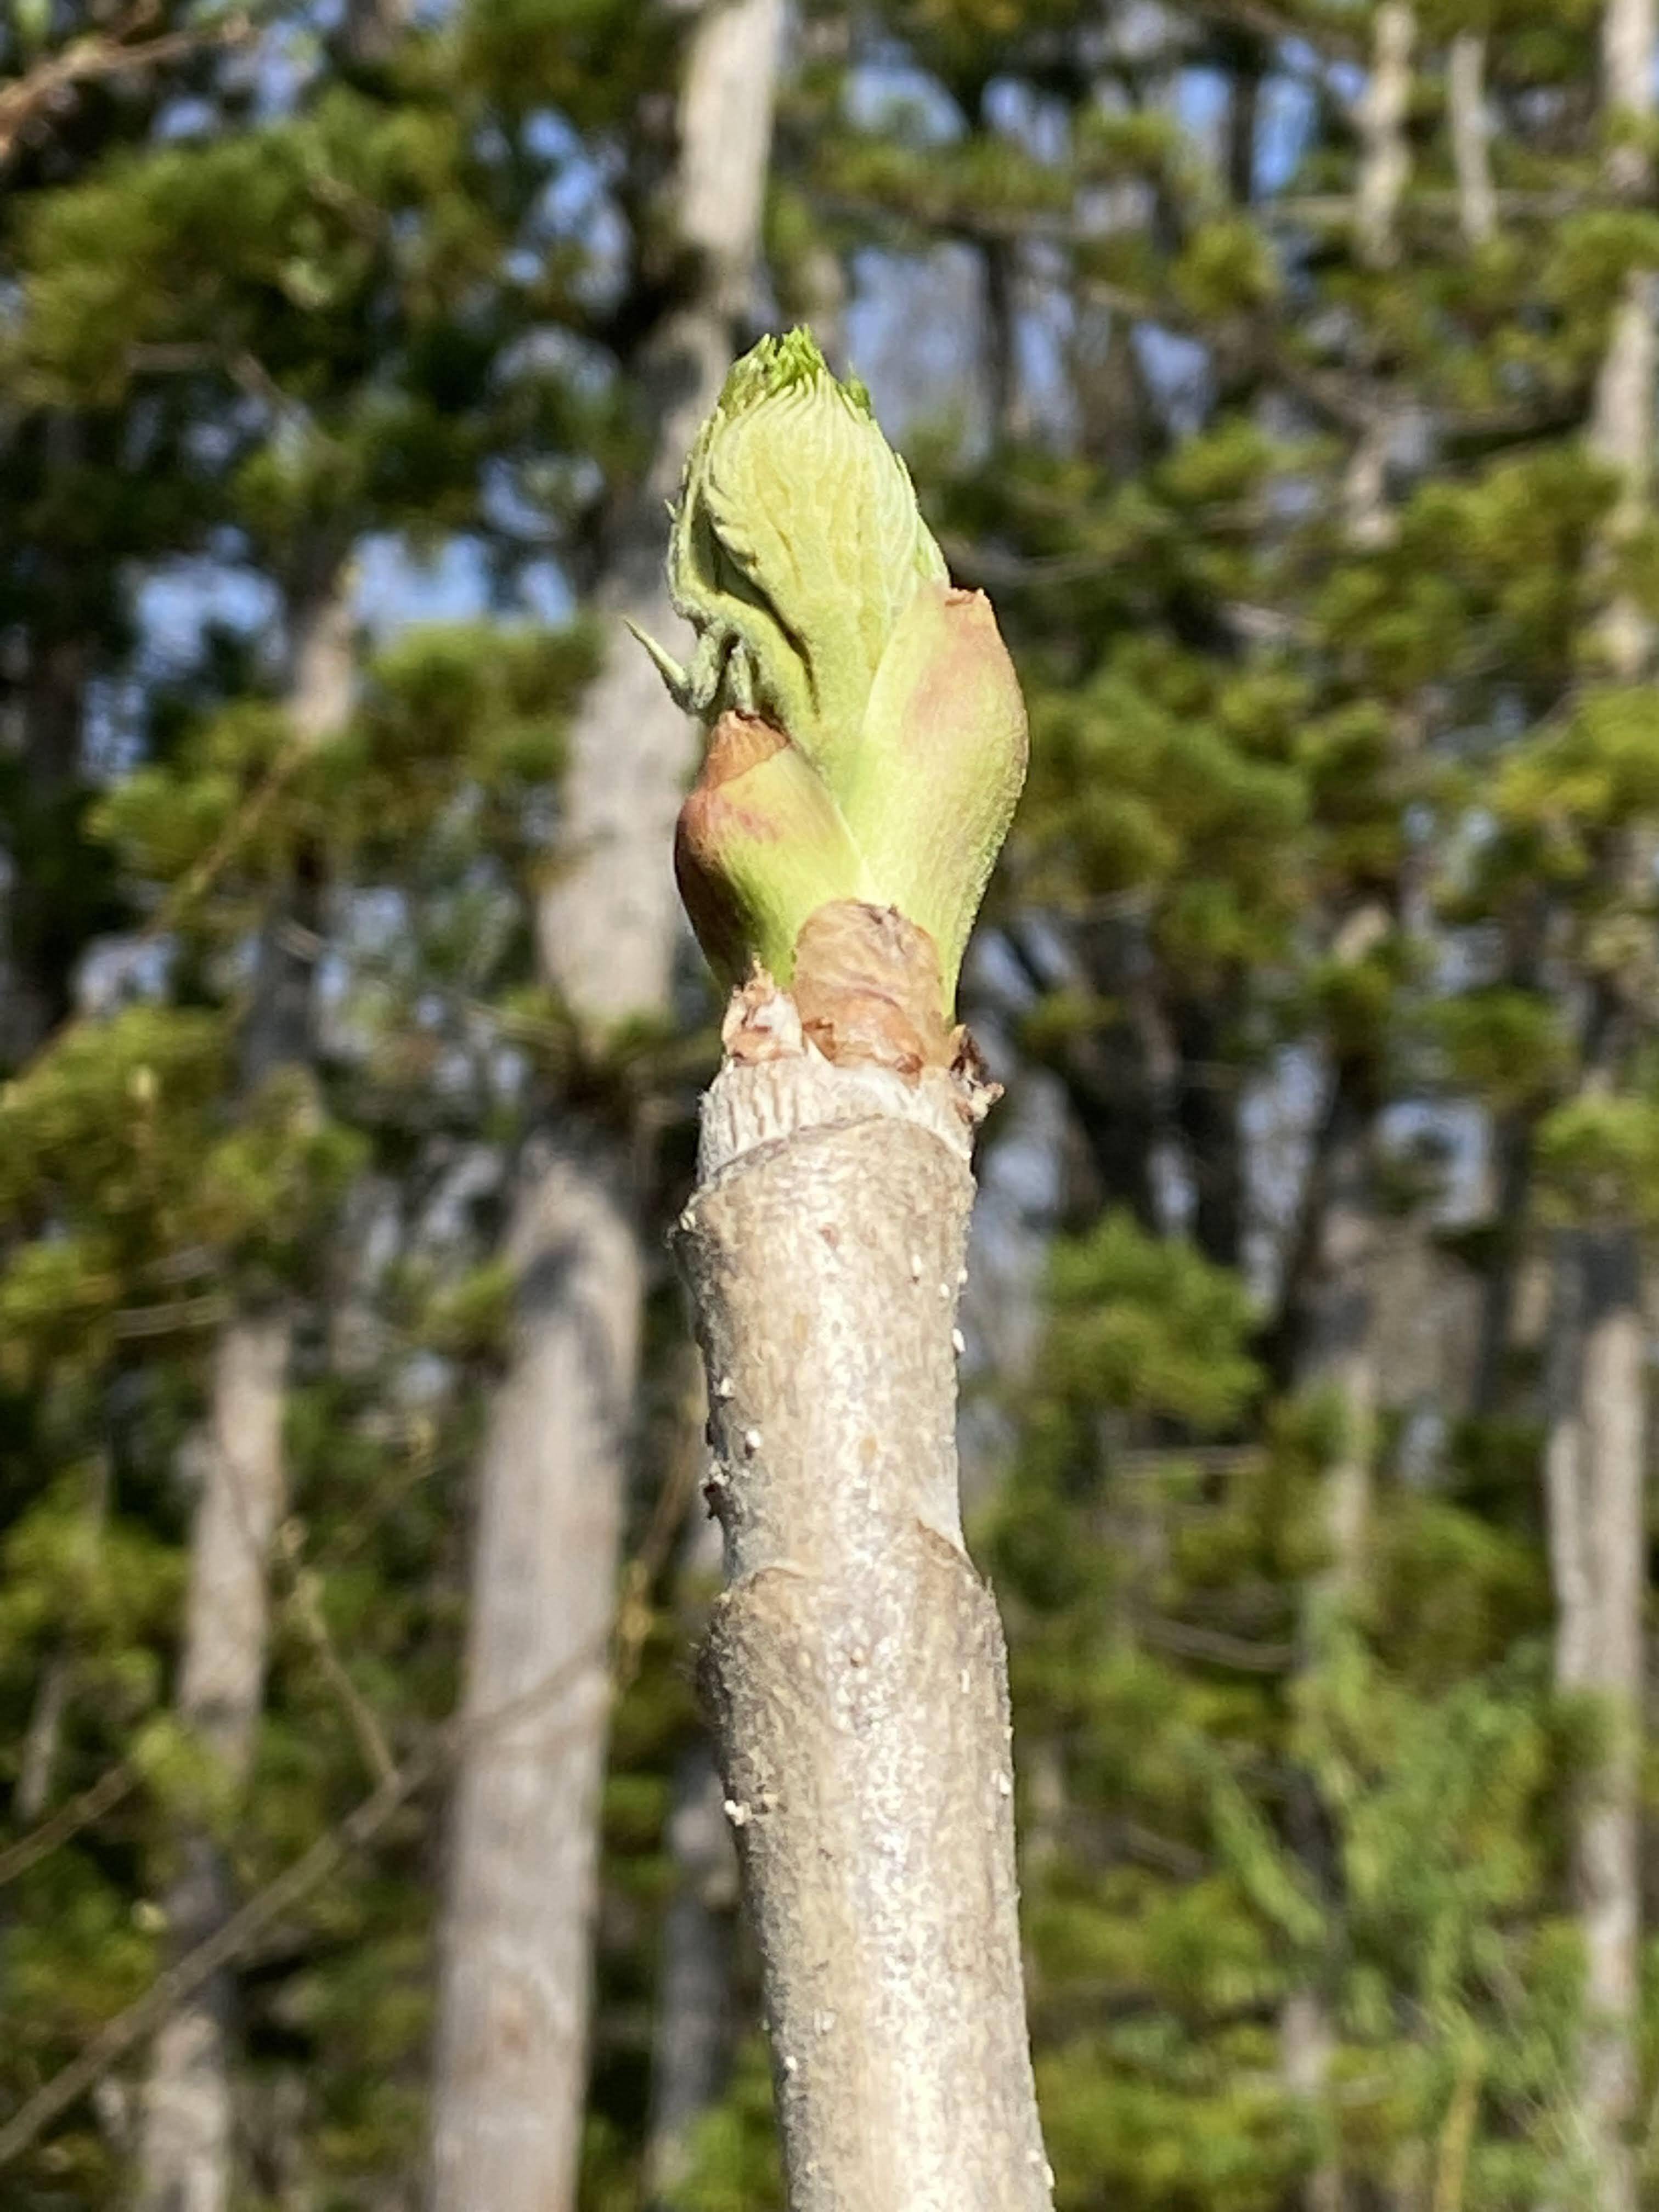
1285, 371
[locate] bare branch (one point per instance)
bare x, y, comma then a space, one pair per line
77, 1813
1215, 1647
305, 1600
124, 50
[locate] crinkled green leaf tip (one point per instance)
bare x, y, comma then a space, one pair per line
797, 544
823, 612
777, 365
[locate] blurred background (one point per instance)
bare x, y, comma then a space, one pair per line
1284, 370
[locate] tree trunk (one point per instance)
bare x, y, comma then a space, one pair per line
1621, 435
185, 2150
37, 977
185, 2153
855, 1663
1384, 173
1243, 120
692, 2022
1009, 416
512, 2040
1336, 1352
1206, 1116
1385, 157
1511, 1181
1595, 1460
691, 2035
1339, 1352
1471, 136
1593, 1476
1336, 1357
512, 2022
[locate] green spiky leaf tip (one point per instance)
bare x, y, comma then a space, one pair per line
778, 365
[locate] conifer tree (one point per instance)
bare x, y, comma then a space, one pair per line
302, 320
1273, 367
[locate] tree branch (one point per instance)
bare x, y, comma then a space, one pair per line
116, 1783
855, 1663
120, 51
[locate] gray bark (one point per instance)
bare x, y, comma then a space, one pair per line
1621, 436
1384, 173
1595, 1478
692, 2022
185, 2153
513, 2023
1385, 157
1471, 136
608, 923
1337, 1357
1306, 2046
855, 1663
1621, 424
1627, 32
1338, 1354
691, 2038
185, 2150
510, 2064
1595, 1459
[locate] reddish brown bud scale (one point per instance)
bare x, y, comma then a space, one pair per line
759, 845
